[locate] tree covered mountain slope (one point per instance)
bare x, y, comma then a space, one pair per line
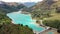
50, 6
11, 6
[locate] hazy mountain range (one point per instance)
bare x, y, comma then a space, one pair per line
13, 6
29, 4
10, 6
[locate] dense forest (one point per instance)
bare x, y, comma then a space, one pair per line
14, 29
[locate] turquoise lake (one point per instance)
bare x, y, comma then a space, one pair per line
25, 20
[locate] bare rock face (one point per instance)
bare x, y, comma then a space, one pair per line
55, 0
50, 2
45, 3
12, 3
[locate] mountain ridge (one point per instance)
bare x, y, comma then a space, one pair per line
11, 6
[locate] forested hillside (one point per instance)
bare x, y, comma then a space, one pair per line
11, 6
6, 26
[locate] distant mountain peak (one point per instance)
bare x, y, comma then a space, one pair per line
12, 3
29, 4
52, 0
55, 0
1, 2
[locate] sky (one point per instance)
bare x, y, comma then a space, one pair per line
21, 0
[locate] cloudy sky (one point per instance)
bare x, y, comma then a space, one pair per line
21, 0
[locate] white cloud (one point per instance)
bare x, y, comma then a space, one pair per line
21, 0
